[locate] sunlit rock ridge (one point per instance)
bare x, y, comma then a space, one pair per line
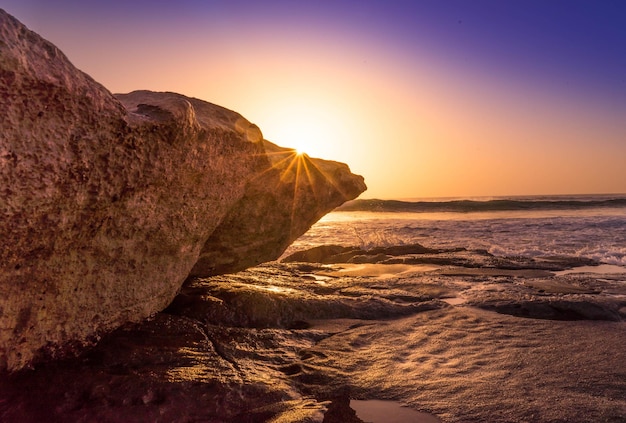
108, 202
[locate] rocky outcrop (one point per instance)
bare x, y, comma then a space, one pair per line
230, 348
279, 205
286, 342
107, 201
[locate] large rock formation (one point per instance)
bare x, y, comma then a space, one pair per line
108, 202
278, 206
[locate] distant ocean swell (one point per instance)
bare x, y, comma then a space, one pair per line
471, 206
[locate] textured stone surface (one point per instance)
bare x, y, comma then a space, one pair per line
279, 205
106, 202
281, 342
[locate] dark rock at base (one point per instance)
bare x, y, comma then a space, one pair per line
339, 410
554, 309
201, 361
165, 369
327, 254
180, 366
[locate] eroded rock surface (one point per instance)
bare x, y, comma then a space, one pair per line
107, 201
279, 204
542, 294
286, 342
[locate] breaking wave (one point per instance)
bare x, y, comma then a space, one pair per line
592, 227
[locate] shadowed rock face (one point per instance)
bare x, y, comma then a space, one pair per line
107, 202
279, 204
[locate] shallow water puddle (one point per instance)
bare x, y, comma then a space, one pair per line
318, 279
379, 411
601, 269
274, 288
379, 270
455, 300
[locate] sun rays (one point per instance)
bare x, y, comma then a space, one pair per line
307, 179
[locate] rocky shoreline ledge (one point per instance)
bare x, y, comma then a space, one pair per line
294, 341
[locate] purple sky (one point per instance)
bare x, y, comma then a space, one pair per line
425, 98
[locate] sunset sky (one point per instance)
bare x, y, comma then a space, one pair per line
424, 98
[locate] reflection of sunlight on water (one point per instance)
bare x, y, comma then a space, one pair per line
455, 300
603, 268
339, 216
378, 269
378, 411
319, 279
275, 289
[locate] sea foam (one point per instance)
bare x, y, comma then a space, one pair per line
591, 227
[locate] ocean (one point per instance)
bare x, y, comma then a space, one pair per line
589, 226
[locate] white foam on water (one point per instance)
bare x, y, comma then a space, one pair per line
599, 236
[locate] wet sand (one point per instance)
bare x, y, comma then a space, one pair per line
465, 364
296, 342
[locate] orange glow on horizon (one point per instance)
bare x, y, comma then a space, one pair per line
415, 119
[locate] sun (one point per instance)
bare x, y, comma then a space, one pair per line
313, 128
302, 133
